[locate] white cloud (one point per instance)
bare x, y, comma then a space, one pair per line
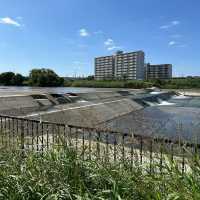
9, 21
165, 27
110, 45
172, 43
177, 44
113, 48
109, 42
83, 32
175, 22
170, 25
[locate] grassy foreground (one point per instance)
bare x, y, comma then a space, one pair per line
63, 175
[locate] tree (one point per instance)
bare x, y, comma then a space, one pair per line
18, 80
44, 78
6, 78
90, 78
10, 78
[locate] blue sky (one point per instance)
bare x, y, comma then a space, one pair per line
66, 35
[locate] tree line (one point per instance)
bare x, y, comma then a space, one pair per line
48, 78
37, 77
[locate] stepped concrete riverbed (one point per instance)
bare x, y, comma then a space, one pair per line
147, 112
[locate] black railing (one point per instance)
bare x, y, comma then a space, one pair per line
93, 143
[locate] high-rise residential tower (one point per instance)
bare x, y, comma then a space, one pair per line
122, 65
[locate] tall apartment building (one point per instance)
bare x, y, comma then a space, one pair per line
162, 71
104, 67
120, 66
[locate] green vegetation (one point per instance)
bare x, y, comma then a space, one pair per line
48, 78
44, 78
111, 84
37, 77
178, 83
175, 83
61, 174
10, 78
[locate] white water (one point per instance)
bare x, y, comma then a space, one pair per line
165, 103
181, 97
159, 103
82, 101
156, 92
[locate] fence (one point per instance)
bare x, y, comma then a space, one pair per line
92, 143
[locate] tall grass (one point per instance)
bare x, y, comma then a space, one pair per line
61, 174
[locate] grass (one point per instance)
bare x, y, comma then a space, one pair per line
174, 83
109, 84
61, 174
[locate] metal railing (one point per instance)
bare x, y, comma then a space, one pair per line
93, 143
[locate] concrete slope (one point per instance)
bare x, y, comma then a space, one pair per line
17, 105
90, 114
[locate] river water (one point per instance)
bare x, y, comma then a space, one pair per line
26, 90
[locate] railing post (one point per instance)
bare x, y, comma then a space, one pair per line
183, 159
83, 144
132, 143
37, 135
32, 135
47, 132
107, 148
151, 156
115, 150
161, 157
90, 145
1, 121
123, 150
141, 149
22, 137
98, 144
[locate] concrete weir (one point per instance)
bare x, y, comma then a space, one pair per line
81, 109
142, 112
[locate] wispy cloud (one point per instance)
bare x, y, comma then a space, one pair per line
109, 42
174, 23
99, 32
182, 45
172, 43
110, 45
83, 32
170, 25
176, 44
176, 36
114, 48
9, 21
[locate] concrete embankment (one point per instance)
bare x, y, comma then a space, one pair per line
90, 114
18, 105
83, 109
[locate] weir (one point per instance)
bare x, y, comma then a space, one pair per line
140, 111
